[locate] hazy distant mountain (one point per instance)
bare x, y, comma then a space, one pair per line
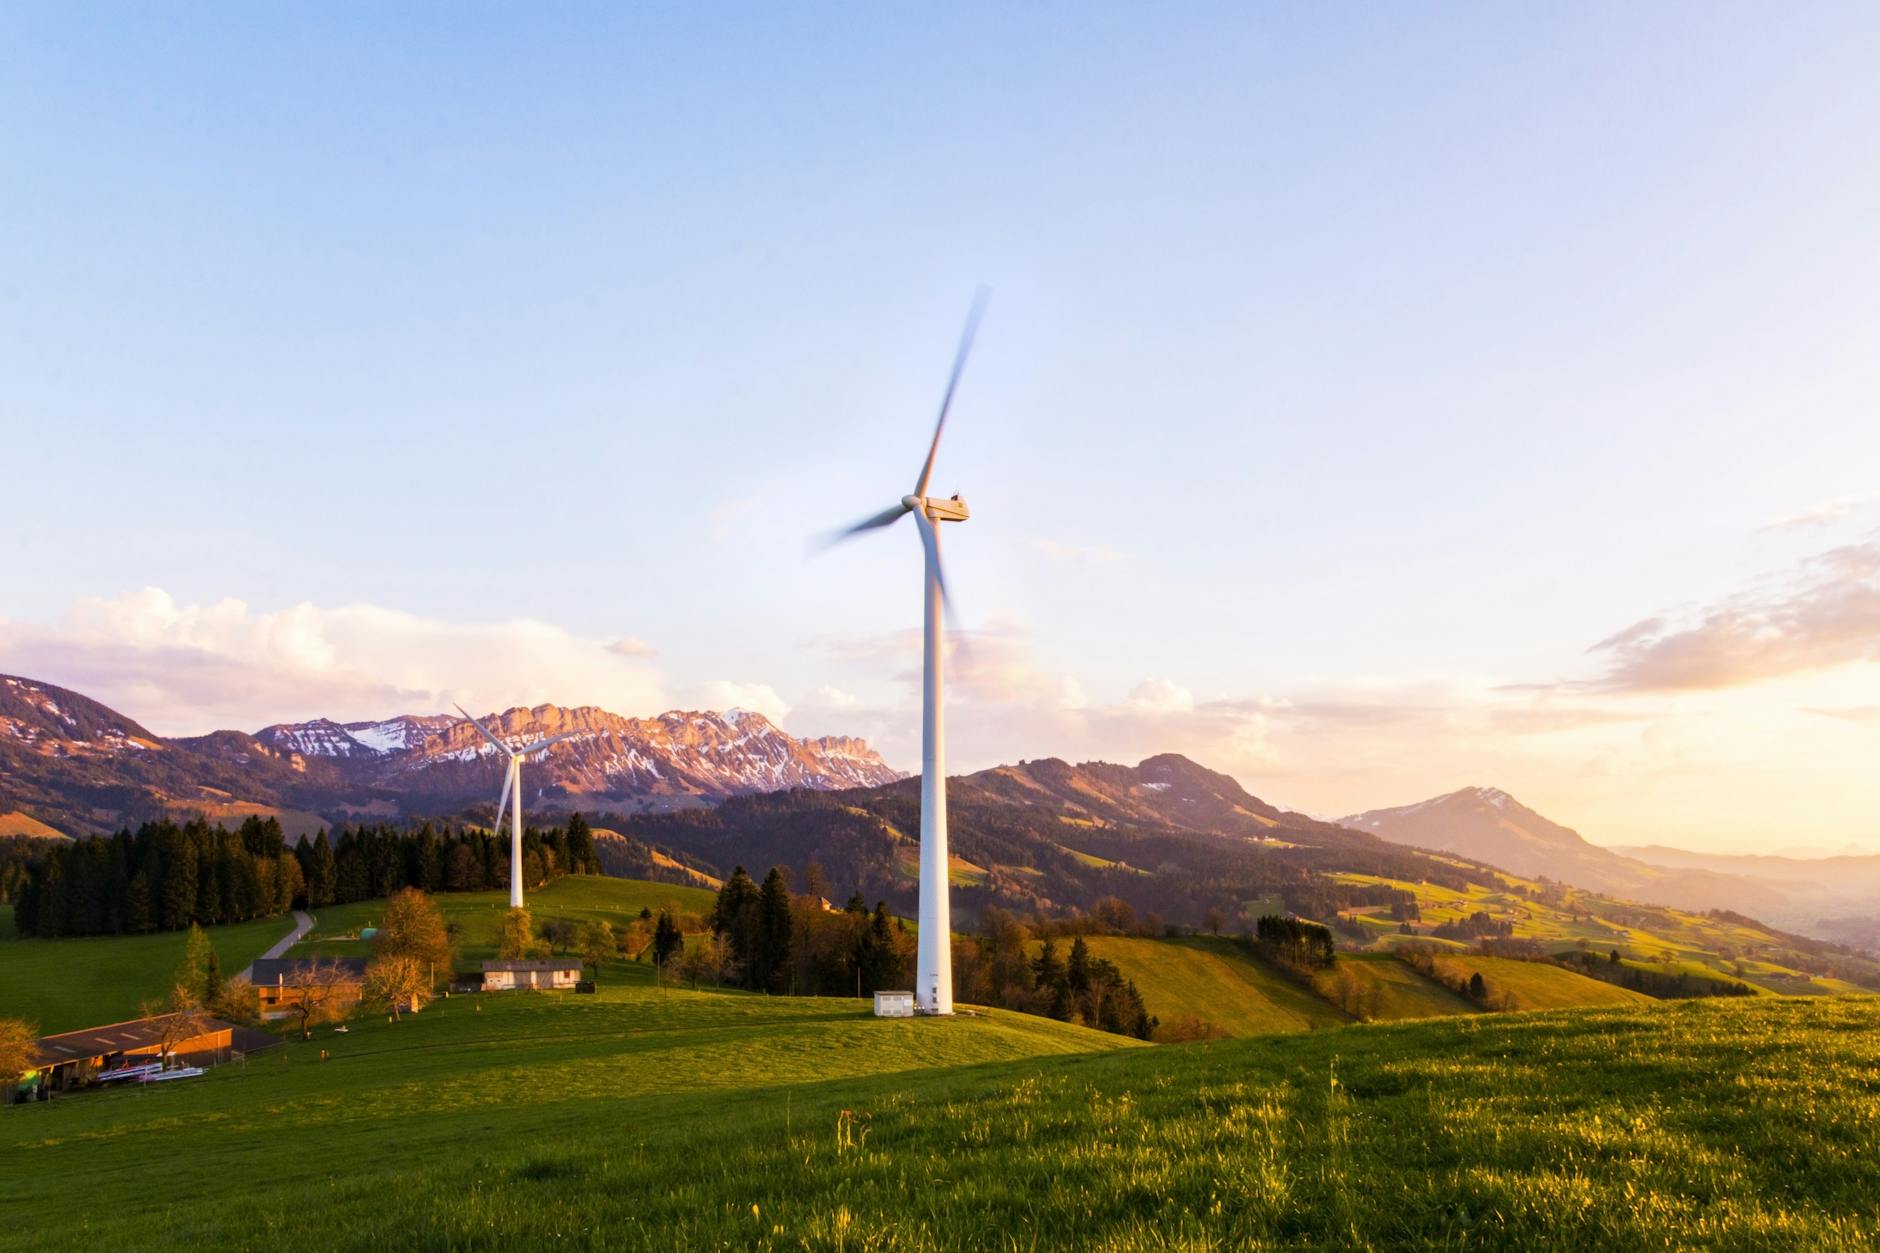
1486, 824
74, 764
1841, 894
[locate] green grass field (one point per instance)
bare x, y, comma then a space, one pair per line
1400, 992
1537, 985
647, 1119
64, 985
1213, 980
577, 898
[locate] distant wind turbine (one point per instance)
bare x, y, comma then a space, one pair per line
512, 782
933, 982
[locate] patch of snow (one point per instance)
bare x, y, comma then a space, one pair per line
383, 737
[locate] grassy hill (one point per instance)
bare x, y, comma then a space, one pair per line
67, 984
1389, 991
1537, 985
1564, 919
1215, 981
578, 898
648, 1119
609, 1079
64, 985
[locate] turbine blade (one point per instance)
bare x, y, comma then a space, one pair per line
953, 381
887, 517
509, 777
486, 731
539, 745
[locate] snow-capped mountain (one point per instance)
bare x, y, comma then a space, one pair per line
677, 755
325, 738
72, 763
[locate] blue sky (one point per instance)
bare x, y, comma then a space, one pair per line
1350, 373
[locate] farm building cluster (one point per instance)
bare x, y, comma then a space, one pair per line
143, 1050
171, 1046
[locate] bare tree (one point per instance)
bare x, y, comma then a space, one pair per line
322, 995
398, 982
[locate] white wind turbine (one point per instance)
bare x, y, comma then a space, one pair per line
512, 782
933, 981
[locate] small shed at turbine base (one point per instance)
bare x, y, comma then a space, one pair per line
894, 1004
507, 976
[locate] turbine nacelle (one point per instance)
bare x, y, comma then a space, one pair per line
938, 509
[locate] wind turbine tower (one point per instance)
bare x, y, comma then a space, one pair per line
512, 782
933, 981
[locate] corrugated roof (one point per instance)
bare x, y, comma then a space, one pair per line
117, 1037
520, 966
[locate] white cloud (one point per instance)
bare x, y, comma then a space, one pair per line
1159, 696
1825, 514
632, 646
188, 669
760, 698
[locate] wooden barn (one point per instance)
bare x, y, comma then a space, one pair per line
283, 983
105, 1054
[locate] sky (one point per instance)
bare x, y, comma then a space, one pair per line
1373, 400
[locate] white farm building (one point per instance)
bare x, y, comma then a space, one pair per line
507, 976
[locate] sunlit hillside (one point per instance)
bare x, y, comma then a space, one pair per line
642, 1118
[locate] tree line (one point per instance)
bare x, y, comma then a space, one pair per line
769, 938
166, 876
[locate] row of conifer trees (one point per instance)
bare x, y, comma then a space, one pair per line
165, 875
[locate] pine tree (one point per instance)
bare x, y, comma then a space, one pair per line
192, 975
667, 939
1077, 971
734, 916
771, 965
1046, 966
179, 882
212, 980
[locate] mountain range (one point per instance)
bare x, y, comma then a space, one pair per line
693, 793
73, 766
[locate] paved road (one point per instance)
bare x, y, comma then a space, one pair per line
303, 923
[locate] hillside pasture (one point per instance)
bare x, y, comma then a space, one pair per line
1213, 980
609, 1077
575, 898
648, 1120
68, 984
1535, 985
1390, 991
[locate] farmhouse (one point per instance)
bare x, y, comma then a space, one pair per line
282, 984
505, 976
76, 1058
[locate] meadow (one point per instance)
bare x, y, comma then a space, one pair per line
64, 985
649, 1118
1658, 938
575, 898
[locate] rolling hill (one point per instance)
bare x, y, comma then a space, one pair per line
642, 1118
1168, 836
